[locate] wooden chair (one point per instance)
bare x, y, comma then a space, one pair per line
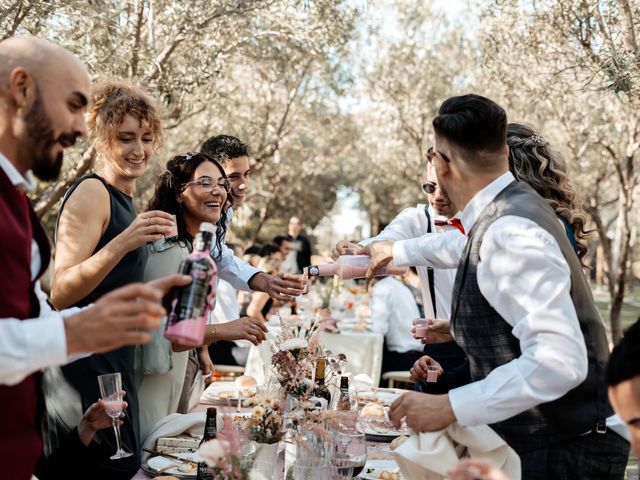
399, 377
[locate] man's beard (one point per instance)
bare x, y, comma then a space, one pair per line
41, 139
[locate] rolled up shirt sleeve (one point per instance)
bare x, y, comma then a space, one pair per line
525, 278
436, 250
234, 270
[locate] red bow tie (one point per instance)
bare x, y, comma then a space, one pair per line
454, 222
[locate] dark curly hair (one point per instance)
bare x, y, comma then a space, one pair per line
225, 147
532, 160
171, 184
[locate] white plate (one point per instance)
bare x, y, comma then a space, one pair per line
223, 392
379, 466
159, 462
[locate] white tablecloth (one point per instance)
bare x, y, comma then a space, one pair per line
363, 351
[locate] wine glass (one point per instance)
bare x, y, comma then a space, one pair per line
350, 449
112, 395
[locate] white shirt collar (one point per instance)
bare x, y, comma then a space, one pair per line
432, 212
25, 184
484, 197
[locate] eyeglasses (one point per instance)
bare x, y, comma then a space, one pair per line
429, 188
206, 184
431, 153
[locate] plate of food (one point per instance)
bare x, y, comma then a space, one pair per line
187, 468
374, 423
243, 388
381, 470
383, 396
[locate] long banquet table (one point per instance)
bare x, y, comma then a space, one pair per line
375, 450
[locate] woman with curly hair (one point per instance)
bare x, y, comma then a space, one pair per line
101, 245
532, 160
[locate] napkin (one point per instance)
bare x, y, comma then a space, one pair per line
173, 425
362, 381
428, 456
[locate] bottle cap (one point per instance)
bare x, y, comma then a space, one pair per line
207, 227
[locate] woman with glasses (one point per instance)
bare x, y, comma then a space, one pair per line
195, 189
100, 246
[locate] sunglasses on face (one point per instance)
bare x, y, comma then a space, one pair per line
431, 153
206, 184
429, 188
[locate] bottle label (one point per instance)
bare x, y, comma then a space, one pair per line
205, 472
314, 271
192, 300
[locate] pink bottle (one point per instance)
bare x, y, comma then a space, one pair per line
351, 266
189, 308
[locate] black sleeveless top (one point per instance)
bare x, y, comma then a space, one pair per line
82, 373
131, 267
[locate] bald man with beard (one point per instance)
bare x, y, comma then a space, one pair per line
44, 91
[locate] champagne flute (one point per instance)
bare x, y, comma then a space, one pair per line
111, 393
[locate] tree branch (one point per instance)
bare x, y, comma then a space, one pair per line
135, 51
54, 192
629, 27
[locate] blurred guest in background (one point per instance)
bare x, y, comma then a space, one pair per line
300, 255
393, 310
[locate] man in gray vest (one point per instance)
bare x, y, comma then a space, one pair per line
522, 311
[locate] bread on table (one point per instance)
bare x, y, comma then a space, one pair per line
245, 381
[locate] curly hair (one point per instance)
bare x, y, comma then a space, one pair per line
110, 103
532, 160
171, 184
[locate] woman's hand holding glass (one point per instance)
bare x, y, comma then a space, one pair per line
112, 394
147, 227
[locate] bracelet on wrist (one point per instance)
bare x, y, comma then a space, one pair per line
213, 334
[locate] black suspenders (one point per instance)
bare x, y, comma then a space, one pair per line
432, 288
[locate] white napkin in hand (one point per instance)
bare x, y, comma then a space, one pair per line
428, 456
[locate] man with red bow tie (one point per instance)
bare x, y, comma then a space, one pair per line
437, 216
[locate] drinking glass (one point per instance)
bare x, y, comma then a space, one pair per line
341, 468
315, 471
111, 393
350, 448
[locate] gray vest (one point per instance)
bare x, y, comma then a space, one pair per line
487, 340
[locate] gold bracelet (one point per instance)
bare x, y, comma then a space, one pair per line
213, 332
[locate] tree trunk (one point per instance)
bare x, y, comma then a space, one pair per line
55, 191
600, 264
619, 268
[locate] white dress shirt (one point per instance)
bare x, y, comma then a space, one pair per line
227, 306
525, 278
30, 345
393, 309
411, 223
231, 268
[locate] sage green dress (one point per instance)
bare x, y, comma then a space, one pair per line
163, 369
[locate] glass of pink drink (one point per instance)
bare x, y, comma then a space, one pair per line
421, 328
432, 374
111, 394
